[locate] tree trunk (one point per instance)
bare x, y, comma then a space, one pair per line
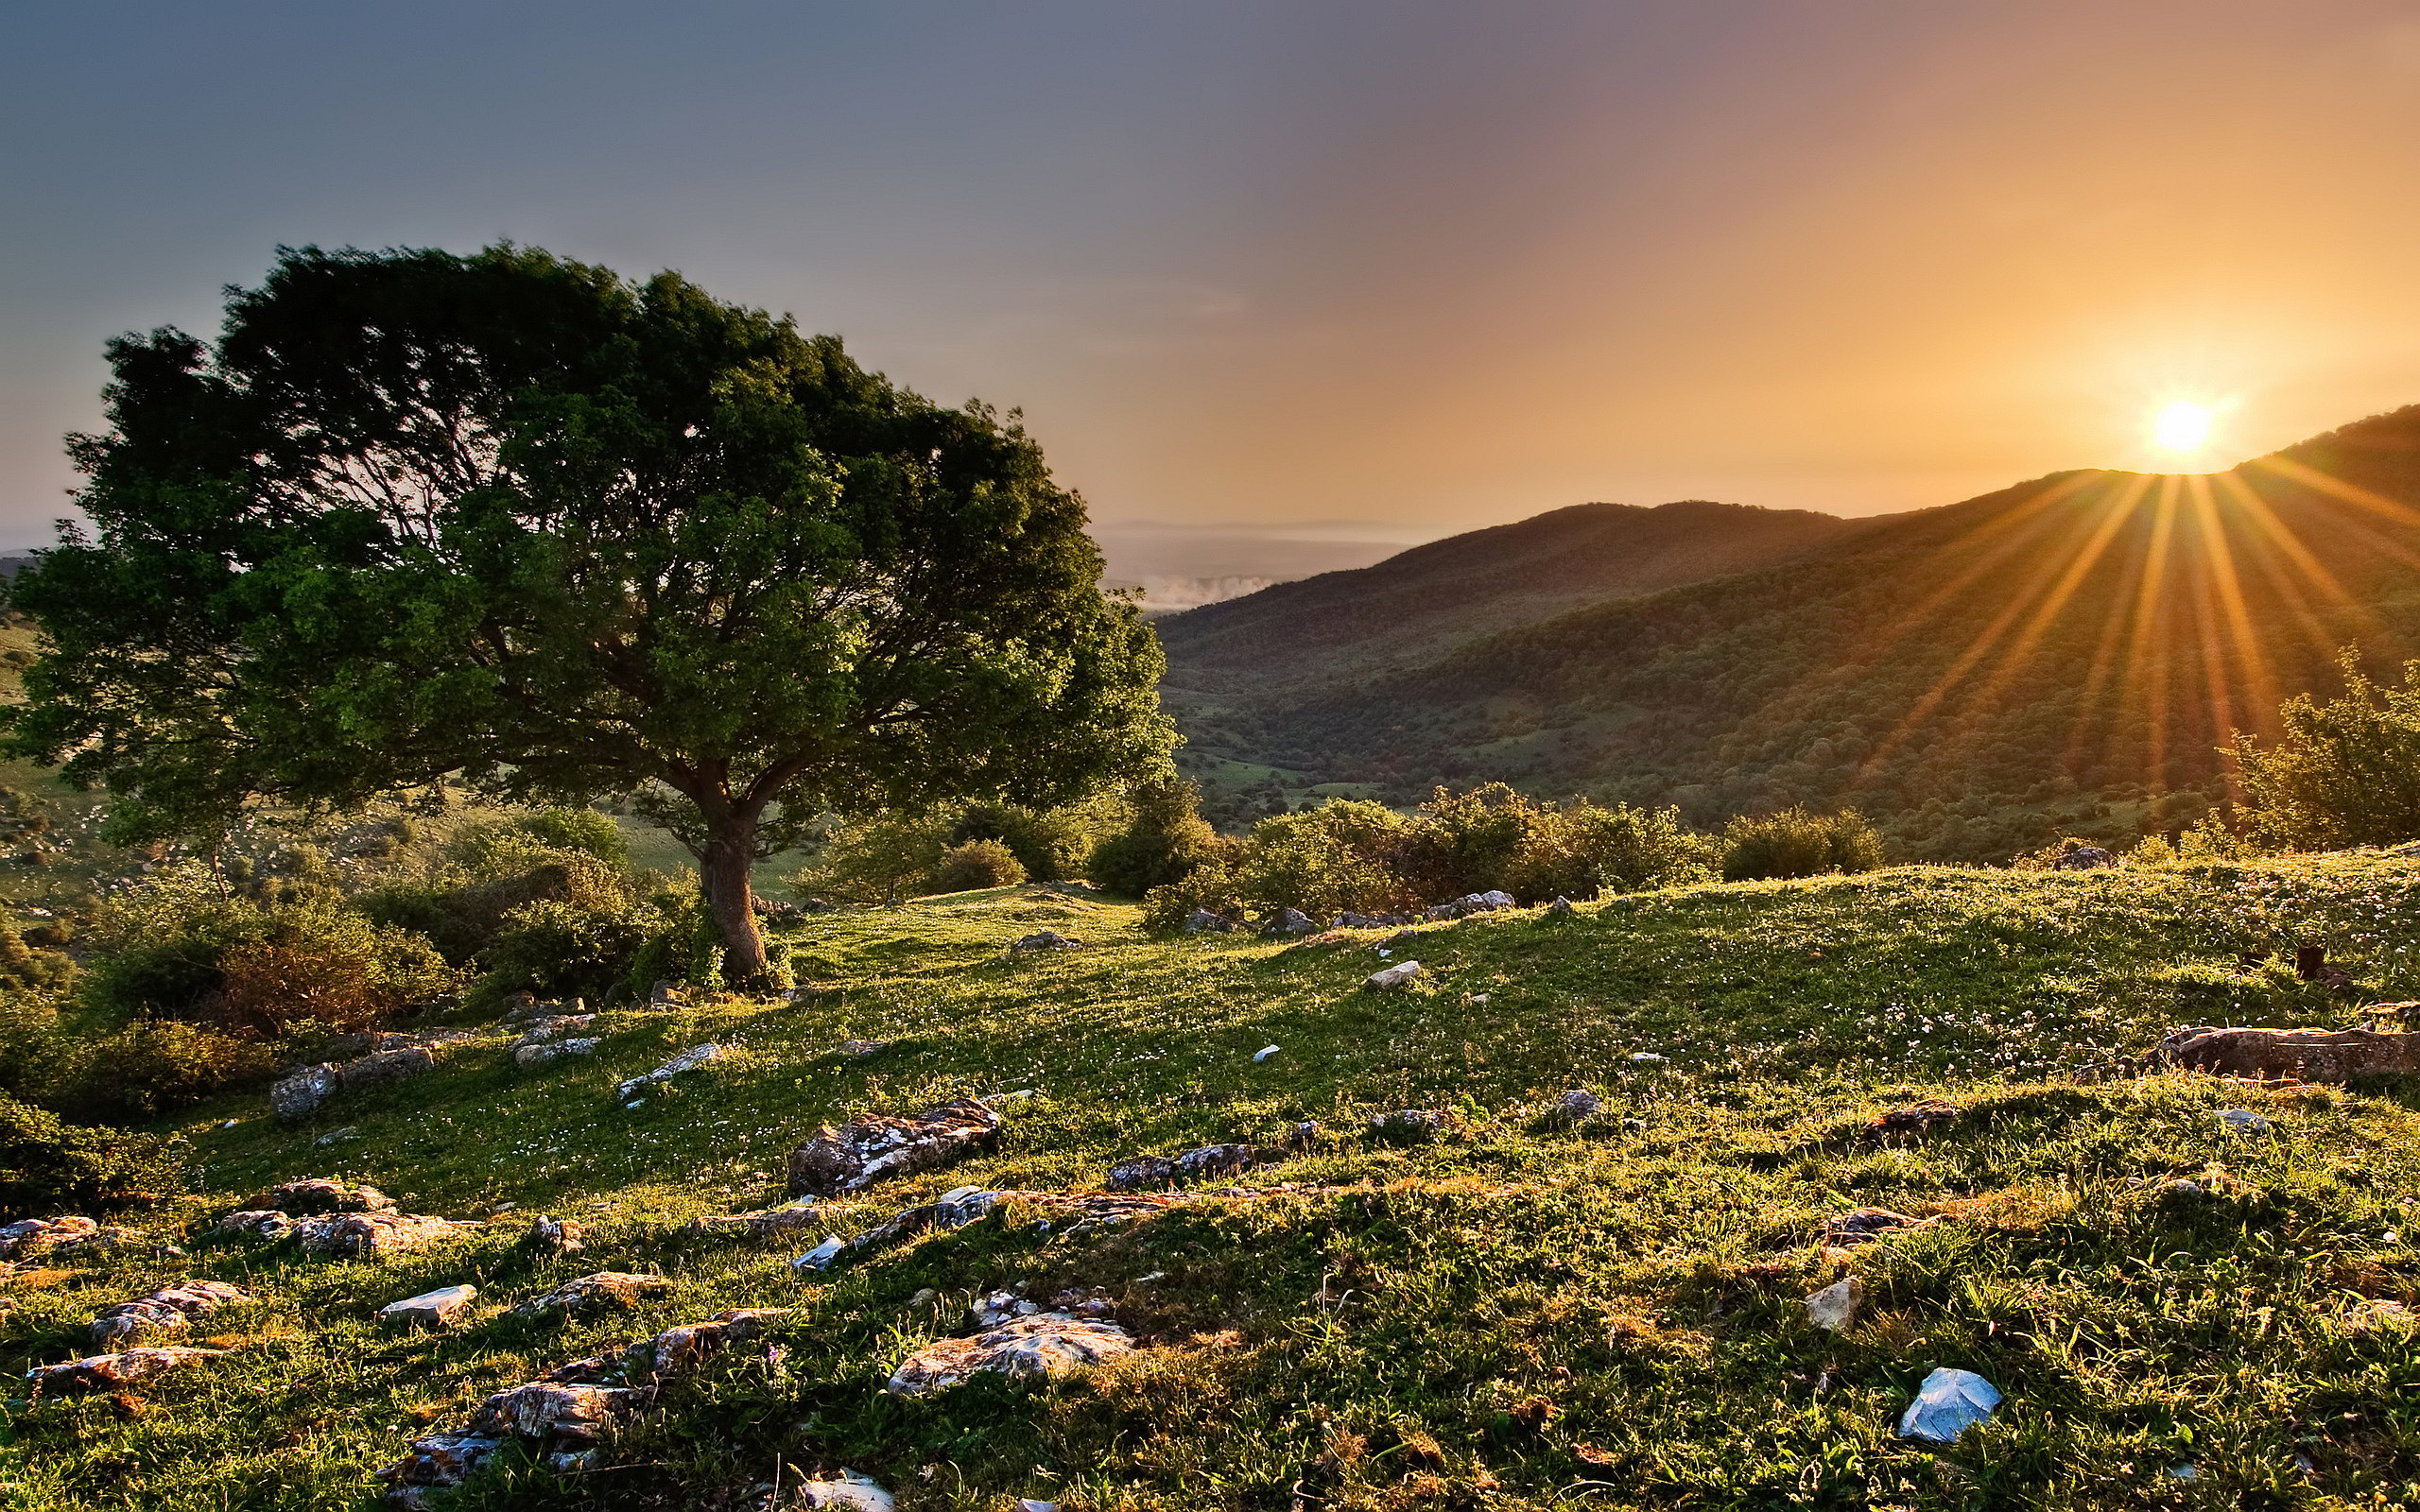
722, 875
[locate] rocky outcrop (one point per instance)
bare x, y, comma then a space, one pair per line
689, 1059
67, 1235
323, 1194
605, 1288
546, 1052
441, 1309
836, 1162
346, 1235
399, 1056
169, 1310
1042, 1343
2289, 1055
1288, 921
1202, 921
115, 1373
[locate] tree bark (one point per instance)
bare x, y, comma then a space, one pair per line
722, 875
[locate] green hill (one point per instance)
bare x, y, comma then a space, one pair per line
2066, 654
1523, 1312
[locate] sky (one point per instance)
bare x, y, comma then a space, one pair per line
1364, 270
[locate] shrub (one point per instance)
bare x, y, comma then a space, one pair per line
2341, 773
1464, 843
154, 1066
325, 967
1164, 842
686, 948
978, 864
48, 1166
1213, 886
1343, 855
1048, 843
875, 857
1798, 843
34, 1056
565, 947
1582, 849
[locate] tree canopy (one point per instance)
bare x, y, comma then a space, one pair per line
515, 521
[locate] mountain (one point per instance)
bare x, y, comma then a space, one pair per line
2065, 655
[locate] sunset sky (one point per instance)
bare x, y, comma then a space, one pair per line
1345, 266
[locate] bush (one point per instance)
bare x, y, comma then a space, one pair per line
686, 948
1344, 854
1581, 850
1047, 843
978, 864
1165, 841
583, 947
876, 858
1798, 843
157, 1065
49, 1167
2341, 773
1213, 886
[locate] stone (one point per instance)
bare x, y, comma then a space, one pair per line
1577, 1104
35, 1236
2242, 1121
1410, 1125
1202, 921
441, 1309
553, 1027
256, 1224
1043, 1344
1835, 1307
2289, 1055
1403, 973
1289, 921
860, 1049
849, 1492
685, 1351
319, 1195
560, 1235
1915, 1119
546, 1052
346, 1235
664, 994
114, 1372
1861, 1226
168, 1310
1263, 1054
689, 1059
436, 1463
836, 1162
1948, 1404
1212, 1160
2085, 858
1047, 940
398, 1064
299, 1096
1561, 908
605, 1288
768, 1224
552, 1413
1141, 1173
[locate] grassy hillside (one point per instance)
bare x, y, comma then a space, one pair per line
2066, 654
1521, 1314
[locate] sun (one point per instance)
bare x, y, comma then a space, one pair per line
2184, 426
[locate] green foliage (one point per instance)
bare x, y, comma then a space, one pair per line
683, 948
48, 1166
500, 847
1344, 854
2341, 773
264, 971
1165, 841
154, 1066
875, 857
1048, 843
978, 864
1584, 848
625, 536
1796, 843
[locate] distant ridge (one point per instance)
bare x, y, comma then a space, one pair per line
2066, 654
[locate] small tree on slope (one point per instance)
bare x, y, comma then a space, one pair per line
514, 521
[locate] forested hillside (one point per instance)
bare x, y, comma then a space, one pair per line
2066, 654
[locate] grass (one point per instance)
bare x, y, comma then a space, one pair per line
1520, 1314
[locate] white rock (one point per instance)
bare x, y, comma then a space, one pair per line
1400, 975
821, 1257
1647, 1058
1264, 1053
440, 1309
850, 1489
1948, 1404
1835, 1307
2242, 1121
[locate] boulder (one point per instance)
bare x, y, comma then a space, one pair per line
1948, 1404
346, 1235
441, 1309
169, 1310
689, 1059
34, 1236
1289, 921
318, 1194
1202, 921
398, 1064
552, 1413
1835, 1307
2291, 1055
1043, 1344
835, 1162
605, 1288
2085, 858
115, 1373
1401, 974
1047, 940
300, 1095
546, 1052
560, 1236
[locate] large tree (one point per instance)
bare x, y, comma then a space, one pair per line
515, 521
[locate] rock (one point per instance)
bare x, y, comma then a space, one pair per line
436, 1463
1577, 1103
345, 1235
1047, 940
836, 1162
823, 1256
1561, 908
441, 1309
300, 1095
553, 1025
114, 1372
685, 1351
1410, 1125
1864, 1224
169, 1310
1403, 973
1289, 921
35, 1236
546, 1053
689, 1059
319, 1195
2289, 1055
387, 1065
860, 1049
1948, 1404
1835, 1307
664, 994
550, 1413
560, 1235
995, 1308
2242, 1121
956, 1209
2085, 858
1044, 1343
1202, 921
768, 1224
1263, 1054
256, 1224
1141, 1173
1646, 1057
606, 1288
1915, 1119
849, 1492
